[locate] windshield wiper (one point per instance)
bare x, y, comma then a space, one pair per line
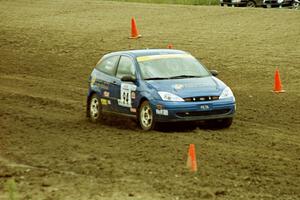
156, 78
184, 76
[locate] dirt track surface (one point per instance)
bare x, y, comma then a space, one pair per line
47, 51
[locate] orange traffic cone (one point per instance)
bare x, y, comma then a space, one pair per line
277, 83
134, 30
170, 46
191, 160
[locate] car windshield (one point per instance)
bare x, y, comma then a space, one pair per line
171, 66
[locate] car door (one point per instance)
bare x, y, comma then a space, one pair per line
124, 91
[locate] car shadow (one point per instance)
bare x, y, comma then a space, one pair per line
125, 123
120, 123
185, 126
131, 124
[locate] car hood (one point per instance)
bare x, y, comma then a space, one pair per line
191, 87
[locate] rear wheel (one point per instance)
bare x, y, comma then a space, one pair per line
146, 117
295, 5
251, 4
95, 109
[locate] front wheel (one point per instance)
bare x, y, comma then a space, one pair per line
146, 117
220, 123
225, 123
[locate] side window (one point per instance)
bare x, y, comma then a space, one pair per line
126, 67
108, 66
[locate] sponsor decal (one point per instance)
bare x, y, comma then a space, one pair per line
204, 107
133, 110
106, 94
103, 85
132, 95
162, 112
97, 85
126, 92
178, 86
104, 102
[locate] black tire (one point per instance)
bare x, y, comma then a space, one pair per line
146, 117
251, 4
222, 4
295, 5
95, 109
220, 123
225, 123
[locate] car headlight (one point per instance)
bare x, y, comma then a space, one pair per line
166, 96
227, 93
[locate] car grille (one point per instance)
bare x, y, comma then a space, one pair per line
204, 98
203, 113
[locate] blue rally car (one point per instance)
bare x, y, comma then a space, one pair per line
159, 85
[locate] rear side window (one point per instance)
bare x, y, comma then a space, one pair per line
108, 66
126, 67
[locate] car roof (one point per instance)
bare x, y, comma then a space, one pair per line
146, 52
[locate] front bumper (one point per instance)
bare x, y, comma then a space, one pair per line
192, 111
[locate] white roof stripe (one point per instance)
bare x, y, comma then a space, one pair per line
155, 57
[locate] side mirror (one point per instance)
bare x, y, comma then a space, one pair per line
214, 72
128, 78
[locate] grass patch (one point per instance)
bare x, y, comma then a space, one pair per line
12, 189
186, 2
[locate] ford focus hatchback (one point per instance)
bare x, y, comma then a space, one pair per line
160, 85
